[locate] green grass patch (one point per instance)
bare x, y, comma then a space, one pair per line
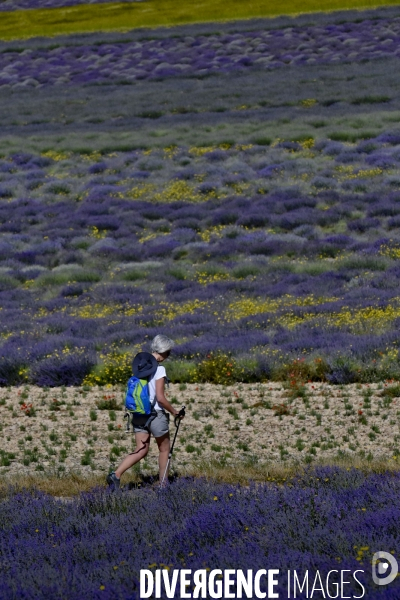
371, 263
133, 275
244, 271
351, 136
7, 282
66, 277
158, 13
262, 141
370, 100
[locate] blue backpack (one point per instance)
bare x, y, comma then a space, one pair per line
137, 397
137, 401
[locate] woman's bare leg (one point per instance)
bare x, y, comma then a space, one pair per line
142, 448
163, 444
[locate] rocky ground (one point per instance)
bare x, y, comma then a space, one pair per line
60, 430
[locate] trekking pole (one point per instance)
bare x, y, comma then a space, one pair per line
177, 422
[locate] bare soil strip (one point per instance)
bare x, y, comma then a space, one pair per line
62, 432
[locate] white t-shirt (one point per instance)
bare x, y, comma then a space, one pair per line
159, 374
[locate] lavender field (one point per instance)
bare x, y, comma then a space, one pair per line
328, 520
236, 186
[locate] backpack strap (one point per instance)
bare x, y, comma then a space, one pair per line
128, 417
150, 420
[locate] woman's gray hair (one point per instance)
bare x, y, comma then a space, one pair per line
161, 343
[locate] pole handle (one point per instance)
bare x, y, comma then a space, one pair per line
179, 416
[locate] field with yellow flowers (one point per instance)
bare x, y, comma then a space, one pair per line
235, 186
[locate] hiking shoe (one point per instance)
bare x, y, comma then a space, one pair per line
113, 481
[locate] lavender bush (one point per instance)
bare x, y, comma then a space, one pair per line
96, 545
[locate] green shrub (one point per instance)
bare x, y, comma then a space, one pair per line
281, 410
208, 429
118, 450
370, 100
217, 368
262, 141
56, 404
391, 392
150, 114
58, 188
245, 271
181, 371
312, 268
133, 275
7, 282
252, 369
216, 448
5, 458
347, 136
108, 403
298, 371
64, 277
243, 446
177, 273
87, 457
372, 263
81, 244
233, 411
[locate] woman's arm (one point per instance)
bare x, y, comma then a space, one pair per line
162, 400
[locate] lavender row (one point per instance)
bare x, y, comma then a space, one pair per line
11, 5
96, 545
197, 55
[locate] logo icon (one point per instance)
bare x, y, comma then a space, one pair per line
382, 574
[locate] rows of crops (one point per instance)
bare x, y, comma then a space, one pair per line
331, 520
248, 218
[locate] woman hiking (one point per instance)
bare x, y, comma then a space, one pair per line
148, 366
